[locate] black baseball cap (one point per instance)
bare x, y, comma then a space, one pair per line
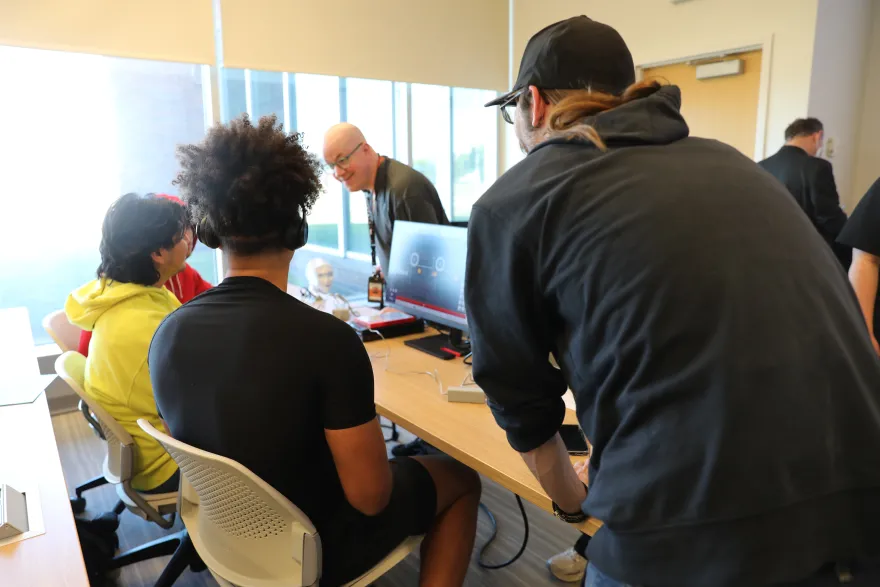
572, 54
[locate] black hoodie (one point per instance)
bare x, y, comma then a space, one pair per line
719, 361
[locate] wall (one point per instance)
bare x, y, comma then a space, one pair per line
868, 159
837, 84
657, 30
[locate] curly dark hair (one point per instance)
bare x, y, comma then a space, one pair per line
134, 228
248, 184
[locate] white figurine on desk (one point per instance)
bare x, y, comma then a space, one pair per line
319, 275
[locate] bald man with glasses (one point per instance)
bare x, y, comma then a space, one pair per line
393, 191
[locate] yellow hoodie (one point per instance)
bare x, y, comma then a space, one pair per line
123, 318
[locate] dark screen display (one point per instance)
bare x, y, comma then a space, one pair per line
426, 269
574, 439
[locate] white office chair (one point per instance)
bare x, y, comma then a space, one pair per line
66, 336
70, 366
246, 532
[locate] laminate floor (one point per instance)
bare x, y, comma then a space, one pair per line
82, 453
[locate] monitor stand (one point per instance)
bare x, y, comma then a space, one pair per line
439, 346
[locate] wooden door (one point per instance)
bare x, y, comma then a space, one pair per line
723, 108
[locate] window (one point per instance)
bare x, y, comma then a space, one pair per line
317, 109
401, 122
431, 149
370, 107
474, 148
233, 88
113, 132
267, 94
446, 133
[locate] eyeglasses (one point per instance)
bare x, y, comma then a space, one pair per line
344, 161
510, 104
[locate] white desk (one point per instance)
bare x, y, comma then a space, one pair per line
27, 446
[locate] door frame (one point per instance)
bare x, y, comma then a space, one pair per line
766, 48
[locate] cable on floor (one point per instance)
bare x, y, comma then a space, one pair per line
494, 522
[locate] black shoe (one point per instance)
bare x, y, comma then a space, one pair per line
107, 523
411, 449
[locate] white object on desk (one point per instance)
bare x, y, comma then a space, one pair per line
13, 512
20, 390
466, 395
32, 524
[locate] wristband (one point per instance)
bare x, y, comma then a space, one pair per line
567, 517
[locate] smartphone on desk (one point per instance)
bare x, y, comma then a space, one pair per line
574, 439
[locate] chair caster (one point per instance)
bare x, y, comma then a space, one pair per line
78, 504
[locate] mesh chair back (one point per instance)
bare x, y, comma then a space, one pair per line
244, 530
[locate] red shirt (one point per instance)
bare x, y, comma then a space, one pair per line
185, 286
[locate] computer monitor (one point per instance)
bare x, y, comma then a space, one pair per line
425, 276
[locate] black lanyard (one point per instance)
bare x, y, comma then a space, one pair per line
371, 198
372, 225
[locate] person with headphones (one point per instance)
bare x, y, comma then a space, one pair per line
248, 372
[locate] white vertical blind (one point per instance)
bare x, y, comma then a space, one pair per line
164, 30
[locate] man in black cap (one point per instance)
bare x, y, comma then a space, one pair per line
719, 361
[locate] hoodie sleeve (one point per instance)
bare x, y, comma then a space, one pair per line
199, 284
509, 337
85, 337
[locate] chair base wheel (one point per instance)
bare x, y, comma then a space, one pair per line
78, 504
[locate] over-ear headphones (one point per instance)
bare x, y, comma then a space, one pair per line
207, 236
297, 234
295, 237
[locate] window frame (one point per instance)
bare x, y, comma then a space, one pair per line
214, 100
344, 225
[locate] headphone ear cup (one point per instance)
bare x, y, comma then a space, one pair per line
296, 236
206, 235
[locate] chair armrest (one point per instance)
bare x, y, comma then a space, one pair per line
149, 511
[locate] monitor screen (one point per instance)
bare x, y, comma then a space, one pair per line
425, 276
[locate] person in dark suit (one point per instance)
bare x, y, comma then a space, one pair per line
810, 180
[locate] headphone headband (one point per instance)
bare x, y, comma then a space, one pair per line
295, 237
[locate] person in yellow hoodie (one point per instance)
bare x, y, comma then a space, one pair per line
144, 242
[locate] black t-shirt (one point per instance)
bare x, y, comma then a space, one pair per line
250, 373
862, 232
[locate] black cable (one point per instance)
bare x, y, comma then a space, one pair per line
522, 549
469, 358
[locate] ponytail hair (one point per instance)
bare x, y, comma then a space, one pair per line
572, 107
